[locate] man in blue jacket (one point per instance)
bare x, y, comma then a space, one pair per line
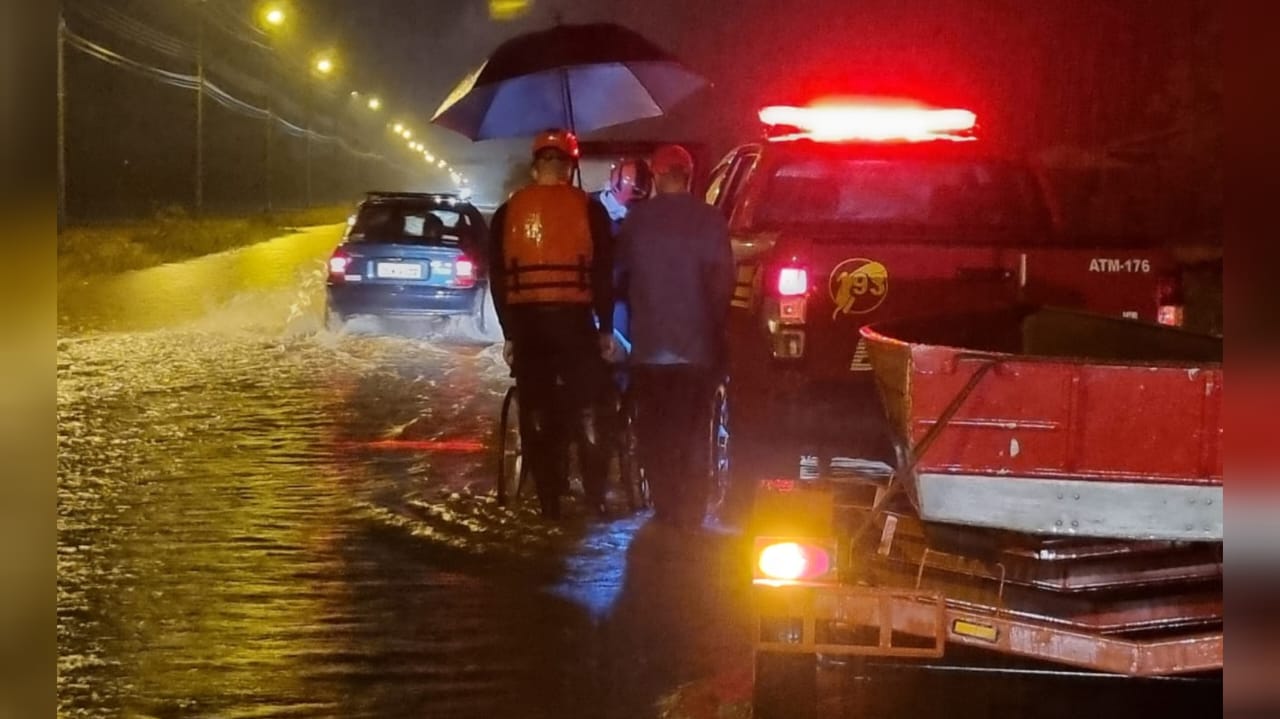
675, 267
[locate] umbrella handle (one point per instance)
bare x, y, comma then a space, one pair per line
567, 94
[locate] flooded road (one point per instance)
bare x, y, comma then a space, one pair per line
261, 518
247, 528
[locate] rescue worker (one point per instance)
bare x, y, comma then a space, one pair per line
676, 270
551, 275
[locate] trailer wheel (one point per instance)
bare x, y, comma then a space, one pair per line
786, 686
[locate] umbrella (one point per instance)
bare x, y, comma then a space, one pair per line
579, 77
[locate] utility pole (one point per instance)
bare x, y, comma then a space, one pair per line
268, 77
271, 121
309, 102
200, 9
62, 123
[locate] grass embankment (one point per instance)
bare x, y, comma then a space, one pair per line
111, 247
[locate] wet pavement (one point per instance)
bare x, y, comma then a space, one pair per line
258, 517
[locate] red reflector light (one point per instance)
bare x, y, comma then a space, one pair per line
870, 121
1169, 301
793, 281
1171, 315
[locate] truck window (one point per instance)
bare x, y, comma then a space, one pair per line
942, 198
716, 183
741, 168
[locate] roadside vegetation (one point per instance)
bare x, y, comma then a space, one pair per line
172, 236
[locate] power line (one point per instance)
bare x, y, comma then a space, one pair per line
108, 18
211, 90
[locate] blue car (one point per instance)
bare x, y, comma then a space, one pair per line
410, 255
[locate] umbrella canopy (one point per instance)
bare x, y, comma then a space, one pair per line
581, 77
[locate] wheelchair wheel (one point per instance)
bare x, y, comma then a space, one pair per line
511, 467
718, 446
630, 473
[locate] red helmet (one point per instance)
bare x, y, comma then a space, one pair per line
631, 179
671, 158
561, 140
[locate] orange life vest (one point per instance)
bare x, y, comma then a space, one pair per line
546, 244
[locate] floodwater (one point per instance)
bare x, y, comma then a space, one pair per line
261, 518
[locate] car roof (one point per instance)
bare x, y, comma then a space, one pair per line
440, 197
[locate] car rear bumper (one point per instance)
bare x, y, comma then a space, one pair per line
398, 301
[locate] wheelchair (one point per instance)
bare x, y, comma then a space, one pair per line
515, 485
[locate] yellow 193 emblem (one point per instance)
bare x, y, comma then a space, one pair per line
858, 286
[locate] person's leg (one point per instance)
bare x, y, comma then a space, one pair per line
694, 411
540, 435
588, 392
658, 435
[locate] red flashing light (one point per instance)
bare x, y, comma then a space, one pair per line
871, 121
793, 281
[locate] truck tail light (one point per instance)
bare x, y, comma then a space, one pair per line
1170, 305
793, 282
785, 312
781, 562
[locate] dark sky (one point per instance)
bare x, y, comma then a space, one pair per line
1037, 72
1040, 73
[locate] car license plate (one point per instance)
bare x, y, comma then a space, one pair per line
400, 270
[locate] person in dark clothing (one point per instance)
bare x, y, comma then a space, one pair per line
551, 276
676, 270
630, 183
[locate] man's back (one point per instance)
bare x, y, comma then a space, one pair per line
677, 273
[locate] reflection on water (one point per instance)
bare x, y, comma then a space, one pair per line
260, 286
249, 527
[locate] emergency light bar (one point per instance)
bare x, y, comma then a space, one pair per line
869, 122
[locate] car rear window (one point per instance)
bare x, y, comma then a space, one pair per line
402, 224
932, 197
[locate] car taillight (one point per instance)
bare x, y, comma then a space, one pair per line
1170, 306
793, 281
338, 264
464, 272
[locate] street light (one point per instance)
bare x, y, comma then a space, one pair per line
406, 135
431, 157
274, 16
398, 128
375, 104
324, 65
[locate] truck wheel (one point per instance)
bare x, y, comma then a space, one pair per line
786, 686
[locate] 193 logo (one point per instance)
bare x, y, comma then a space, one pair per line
858, 286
